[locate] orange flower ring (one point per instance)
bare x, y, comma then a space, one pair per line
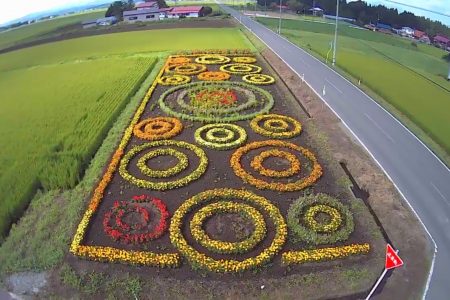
159, 128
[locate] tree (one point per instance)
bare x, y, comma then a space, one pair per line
162, 4
117, 8
295, 5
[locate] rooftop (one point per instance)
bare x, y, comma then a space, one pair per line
146, 5
185, 9
140, 11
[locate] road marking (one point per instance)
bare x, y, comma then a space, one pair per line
380, 128
430, 274
439, 192
333, 86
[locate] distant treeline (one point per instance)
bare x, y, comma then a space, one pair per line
365, 13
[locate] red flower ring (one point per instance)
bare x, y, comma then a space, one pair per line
225, 97
115, 226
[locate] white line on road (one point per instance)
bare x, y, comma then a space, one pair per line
333, 86
380, 128
439, 192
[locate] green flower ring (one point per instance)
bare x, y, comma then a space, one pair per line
212, 59
201, 260
183, 163
258, 161
258, 79
240, 69
186, 69
174, 79
257, 101
200, 236
220, 136
276, 126
304, 227
153, 185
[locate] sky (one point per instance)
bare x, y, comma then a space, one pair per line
18, 8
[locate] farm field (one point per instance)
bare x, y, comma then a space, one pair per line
411, 79
33, 31
65, 124
217, 177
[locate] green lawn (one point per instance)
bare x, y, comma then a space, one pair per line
412, 79
58, 101
30, 32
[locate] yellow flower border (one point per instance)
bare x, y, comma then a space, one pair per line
258, 79
240, 69
174, 79
213, 76
212, 59
244, 59
315, 255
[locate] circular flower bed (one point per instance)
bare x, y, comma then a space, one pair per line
244, 59
159, 128
220, 136
303, 220
213, 76
258, 79
166, 185
212, 59
223, 247
186, 69
276, 126
305, 181
184, 101
138, 230
183, 163
201, 260
240, 69
257, 163
174, 79
179, 60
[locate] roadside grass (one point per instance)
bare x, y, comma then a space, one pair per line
380, 63
30, 32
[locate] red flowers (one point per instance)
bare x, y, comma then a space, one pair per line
129, 221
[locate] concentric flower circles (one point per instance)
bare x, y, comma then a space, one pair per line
258, 79
212, 59
220, 136
276, 126
213, 76
174, 79
305, 181
241, 69
183, 163
163, 185
159, 128
244, 59
204, 261
186, 69
257, 163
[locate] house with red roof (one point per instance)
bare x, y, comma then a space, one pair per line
185, 12
147, 5
421, 36
441, 41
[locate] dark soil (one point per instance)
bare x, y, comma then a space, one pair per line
219, 175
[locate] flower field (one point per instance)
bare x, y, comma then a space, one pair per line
215, 173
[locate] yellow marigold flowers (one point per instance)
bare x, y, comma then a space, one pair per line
244, 59
200, 260
220, 136
311, 178
159, 128
212, 59
258, 79
276, 126
174, 79
178, 60
304, 256
213, 76
186, 69
240, 69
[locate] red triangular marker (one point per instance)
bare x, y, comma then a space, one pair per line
392, 259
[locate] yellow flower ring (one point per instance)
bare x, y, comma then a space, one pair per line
212, 59
258, 79
220, 136
174, 79
213, 76
186, 69
240, 69
244, 60
201, 260
257, 163
179, 60
159, 128
304, 226
183, 163
305, 181
151, 174
200, 236
276, 126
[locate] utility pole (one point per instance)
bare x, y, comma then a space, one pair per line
335, 33
279, 21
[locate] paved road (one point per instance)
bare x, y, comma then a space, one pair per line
419, 175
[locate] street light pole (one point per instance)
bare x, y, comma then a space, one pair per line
279, 21
335, 33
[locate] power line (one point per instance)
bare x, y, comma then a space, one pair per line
419, 8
